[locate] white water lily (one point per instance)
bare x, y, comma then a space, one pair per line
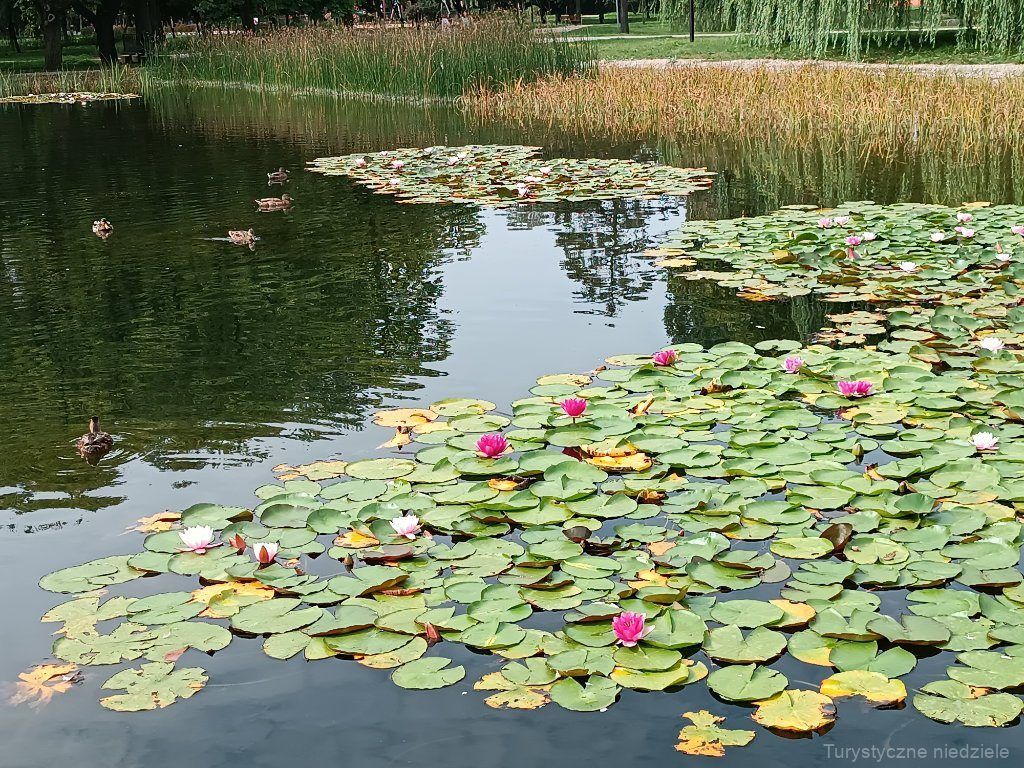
198, 539
1003, 257
841, 221
867, 237
992, 344
938, 237
407, 526
985, 441
964, 218
265, 551
909, 266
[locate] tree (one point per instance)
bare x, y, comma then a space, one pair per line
101, 14
10, 19
52, 19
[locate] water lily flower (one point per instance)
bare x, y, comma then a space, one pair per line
265, 551
574, 407
964, 231
826, 223
854, 240
398, 164
938, 237
545, 171
964, 218
453, 161
198, 539
360, 162
792, 364
841, 221
867, 237
522, 190
908, 266
492, 444
1018, 229
984, 441
407, 526
238, 543
665, 357
992, 344
1004, 257
859, 388
629, 628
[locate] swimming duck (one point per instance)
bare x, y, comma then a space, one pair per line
280, 176
242, 236
274, 203
95, 442
102, 228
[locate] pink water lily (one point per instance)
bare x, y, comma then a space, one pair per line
398, 164
964, 218
492, 444
908, 266
522, 190
407, 526
665, 357
992, 344
859, 388
360, 162
198, 539
841, 221
826, 223
265, 551
938, 237
574, 407
984, 441
792, 364
965, 232
1017, 229
854, 240
545, 171
629, 628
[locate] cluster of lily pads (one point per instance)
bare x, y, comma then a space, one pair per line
76, 97
689, 515
494, 175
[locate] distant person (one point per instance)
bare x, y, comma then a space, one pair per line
446, 23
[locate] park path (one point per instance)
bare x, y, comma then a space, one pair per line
991, 71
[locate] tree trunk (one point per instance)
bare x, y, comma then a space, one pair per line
248, 13
622, 12
147, 24
52, 20
105, 40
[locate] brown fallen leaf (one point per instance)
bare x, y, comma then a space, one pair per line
37, 686
356, 540
161, 521
400, 440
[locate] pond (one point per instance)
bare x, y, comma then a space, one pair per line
211, 364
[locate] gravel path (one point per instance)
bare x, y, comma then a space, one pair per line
994, 71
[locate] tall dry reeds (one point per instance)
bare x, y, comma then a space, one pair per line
414, 62
881, 111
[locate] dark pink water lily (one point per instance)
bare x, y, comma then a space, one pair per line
574, 407
665, 357
859, 388
492, 444
629, 628
265, 551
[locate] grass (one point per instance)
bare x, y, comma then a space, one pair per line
418, 63
103, 80
76, 56
882, 112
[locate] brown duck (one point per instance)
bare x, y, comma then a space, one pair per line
242, 237
274, 203
95, 442
280, 176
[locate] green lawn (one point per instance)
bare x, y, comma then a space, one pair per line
76, 56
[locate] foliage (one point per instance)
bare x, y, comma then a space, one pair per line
415, 62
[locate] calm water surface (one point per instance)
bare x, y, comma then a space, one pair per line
211, 364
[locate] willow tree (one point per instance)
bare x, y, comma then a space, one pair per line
816, 27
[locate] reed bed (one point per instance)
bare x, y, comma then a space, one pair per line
880, 111
403, 63
116, 79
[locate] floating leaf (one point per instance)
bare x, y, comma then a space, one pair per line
706, 738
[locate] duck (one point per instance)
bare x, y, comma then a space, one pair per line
274, 203
242, 236
280, 176
95, 442
102, 228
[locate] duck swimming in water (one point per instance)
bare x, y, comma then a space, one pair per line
274, 203
242, 237
102, 228
95, 442
280, 176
